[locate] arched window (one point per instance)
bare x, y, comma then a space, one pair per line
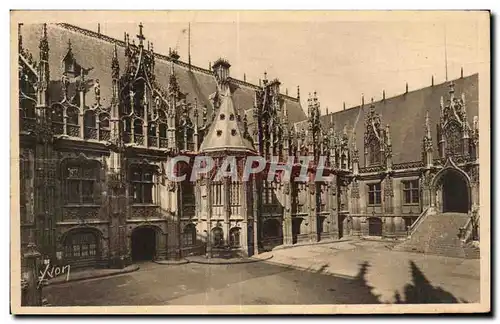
189, 235
81, 182
163, 135
127, 130
217, 237
234, 237
104, 130
58, 119
90, 126
80, 245
138, 132
72, 126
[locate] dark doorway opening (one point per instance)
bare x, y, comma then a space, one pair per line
374, 226
296, 222
271, 232
143, 244
455, 193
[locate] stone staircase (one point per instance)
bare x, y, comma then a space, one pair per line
439, 234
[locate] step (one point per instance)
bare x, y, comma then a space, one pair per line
438, 234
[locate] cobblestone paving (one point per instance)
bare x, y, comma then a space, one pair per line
337, 273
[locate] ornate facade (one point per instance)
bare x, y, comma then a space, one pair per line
100, 118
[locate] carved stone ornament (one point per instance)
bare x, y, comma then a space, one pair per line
170, 186
312, 188
286, 188
355, 189
388, 190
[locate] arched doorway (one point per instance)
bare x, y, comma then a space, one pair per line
455, 193
374, 226
143, 244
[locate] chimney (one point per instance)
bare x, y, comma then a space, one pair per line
406, 91
221, 69
244, 77
432, 81
383, 94
343, 105
98, 28
461, 73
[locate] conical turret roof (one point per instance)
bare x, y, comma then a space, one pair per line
226, 133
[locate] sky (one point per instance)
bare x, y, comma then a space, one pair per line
340, 56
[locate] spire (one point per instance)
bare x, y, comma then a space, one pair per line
227, 132
20, 37
427, 125
141, 36
189, 45
388, 135
115, 66
44, 45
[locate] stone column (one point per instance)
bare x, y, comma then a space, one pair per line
209, 215
287, 214
332, 208
244, 213
312, 211
255, 216
227, 209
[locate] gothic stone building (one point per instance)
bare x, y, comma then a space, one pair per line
99, 118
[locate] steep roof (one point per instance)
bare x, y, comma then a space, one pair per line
95, 51
226, 133
405, 114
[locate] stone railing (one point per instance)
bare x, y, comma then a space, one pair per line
470, 231
419, 220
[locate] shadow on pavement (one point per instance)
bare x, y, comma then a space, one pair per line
421, 291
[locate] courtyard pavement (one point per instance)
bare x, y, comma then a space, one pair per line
349, 272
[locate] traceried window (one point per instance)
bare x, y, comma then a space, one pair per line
142, 185
217, 193
411, 192
454, 139
374, 152
81, 182
269, 197
80, 245
374, 194
234, 193
189, 235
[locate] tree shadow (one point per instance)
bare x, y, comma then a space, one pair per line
421, 291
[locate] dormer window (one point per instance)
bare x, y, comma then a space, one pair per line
71, 67
374, 152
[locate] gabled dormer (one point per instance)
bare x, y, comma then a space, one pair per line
70, 66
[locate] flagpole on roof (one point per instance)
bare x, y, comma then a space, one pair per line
189, 45
445, 55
